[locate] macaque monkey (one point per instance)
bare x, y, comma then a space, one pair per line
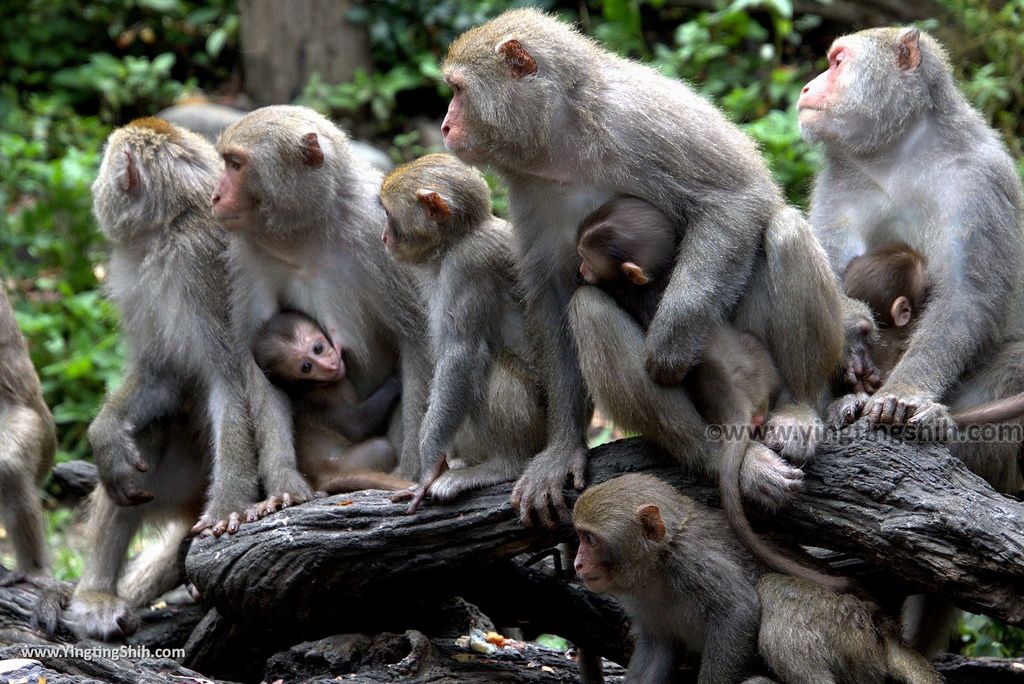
626, 248
570, 125
893, 280
334, 438
906, 158
690, 587
28, 440
306, 223
485, 403
179, 417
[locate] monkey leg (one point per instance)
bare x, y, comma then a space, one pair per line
611, 353
95, 610
21, 451
794, 306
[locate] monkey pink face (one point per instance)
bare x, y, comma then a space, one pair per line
314, 358
454, 128
590, 565
821, 93
232, 205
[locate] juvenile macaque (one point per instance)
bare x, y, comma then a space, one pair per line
570, 126
179, 416
306, 223
28, 440
892, 279
485, 405
690, 587
334, 438
627, 247
908, 159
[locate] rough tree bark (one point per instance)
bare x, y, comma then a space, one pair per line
910, 509
284, 43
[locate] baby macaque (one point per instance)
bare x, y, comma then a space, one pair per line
892, 279
689, 586
335, 443
627, 248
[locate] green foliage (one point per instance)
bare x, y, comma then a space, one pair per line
983, 637
986, 44
144, 84
121, 58
49, 248
736, 60
408, 40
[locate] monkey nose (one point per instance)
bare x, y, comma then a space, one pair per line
445, 128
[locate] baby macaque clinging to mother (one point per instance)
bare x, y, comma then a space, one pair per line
339, 446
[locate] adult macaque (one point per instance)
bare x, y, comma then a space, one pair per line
306, 221
626, 248
334, 438
180, 413
485, 405
908, 159
28, 440
570, 126
690, 587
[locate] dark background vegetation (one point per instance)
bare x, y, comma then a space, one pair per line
72, 70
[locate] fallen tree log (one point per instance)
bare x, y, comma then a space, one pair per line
909, 508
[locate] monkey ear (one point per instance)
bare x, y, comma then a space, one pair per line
312, 154
901, 311
651, 522
909, 49
129, 180
635, 274
519, 61
437, 209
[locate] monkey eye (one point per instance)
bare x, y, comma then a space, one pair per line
318, 348
589, 539
837, 57
306, 367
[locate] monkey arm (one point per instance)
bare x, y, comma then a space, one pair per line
366, 419
713, 264
143, 397
459, 383
568, 409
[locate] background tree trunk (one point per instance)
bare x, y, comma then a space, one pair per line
284, 42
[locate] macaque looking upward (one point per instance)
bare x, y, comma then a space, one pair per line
298, 356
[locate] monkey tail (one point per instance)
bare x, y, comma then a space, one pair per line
996, 411
732, 502
365, 479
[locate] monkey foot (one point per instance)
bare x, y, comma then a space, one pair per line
794, 436
846, 410
99, 615
767, 479
928, 419
538, 492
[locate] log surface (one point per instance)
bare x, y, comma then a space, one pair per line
911, 509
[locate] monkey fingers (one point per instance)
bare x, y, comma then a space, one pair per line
845, 410
119, 477
767, 479
667, 360
932, 421
539, 489
440, 466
